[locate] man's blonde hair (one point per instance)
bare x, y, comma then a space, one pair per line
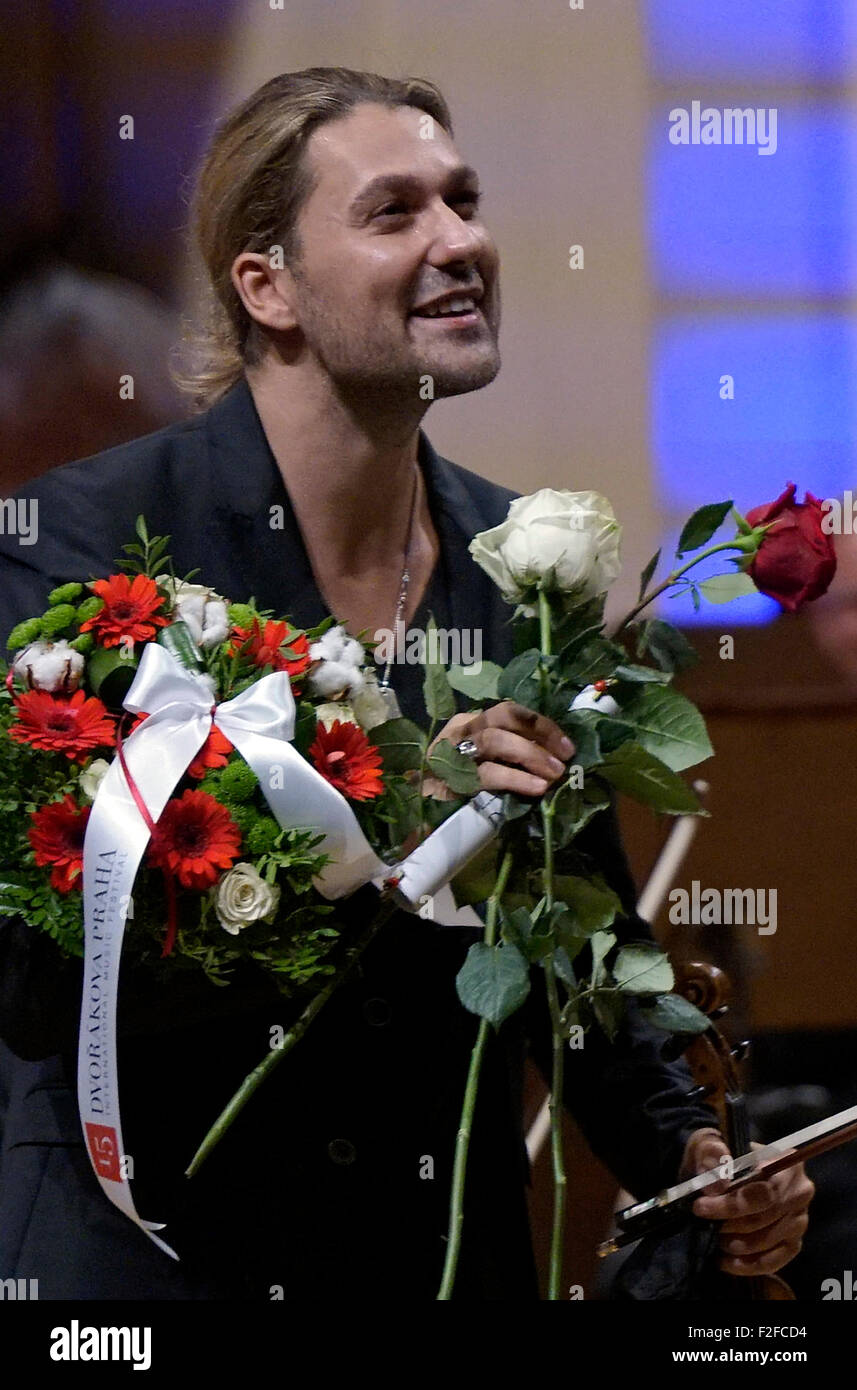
249, 192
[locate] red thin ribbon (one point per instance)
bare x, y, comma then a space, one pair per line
169, 877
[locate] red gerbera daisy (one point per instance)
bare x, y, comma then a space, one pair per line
56, 834
129, 610
195, 839
344, 755
262, 646
213, 753
72, 726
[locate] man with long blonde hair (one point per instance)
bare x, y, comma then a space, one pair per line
351, 280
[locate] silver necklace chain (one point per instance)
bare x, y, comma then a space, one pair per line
384, 683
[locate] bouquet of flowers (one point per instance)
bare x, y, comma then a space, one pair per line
214, 759
222, 879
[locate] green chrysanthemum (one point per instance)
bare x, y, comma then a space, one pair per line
64, 593
25, 633
58, 619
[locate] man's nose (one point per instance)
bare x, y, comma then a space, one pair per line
455, 239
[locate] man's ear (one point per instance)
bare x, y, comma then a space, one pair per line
266, 288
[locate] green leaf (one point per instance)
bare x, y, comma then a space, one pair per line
573, 809
723, 588
581, 725
477, 681
459, 772
667, 645
674, 1014
668, 725
593, 906
534, 939
110, 674
702, 525
643, 969
401, 744
517, 681
648, 572
641, 675
140, 528
437, 692
608, 1007
493, 982
633, 770
601, 942
596, 660
563, 967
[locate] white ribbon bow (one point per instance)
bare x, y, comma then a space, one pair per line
260, 723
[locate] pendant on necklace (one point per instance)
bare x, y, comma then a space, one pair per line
388, 695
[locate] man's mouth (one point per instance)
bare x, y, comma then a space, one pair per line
459, 310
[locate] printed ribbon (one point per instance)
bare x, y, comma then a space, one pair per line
260, 722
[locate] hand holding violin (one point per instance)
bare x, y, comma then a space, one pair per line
763, 1221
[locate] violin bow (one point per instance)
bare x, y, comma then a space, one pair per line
659, 1212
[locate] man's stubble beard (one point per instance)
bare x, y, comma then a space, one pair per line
361, 364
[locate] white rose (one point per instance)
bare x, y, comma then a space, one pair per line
370, 707
92, 777
204, 611
333, 710
242, 896
49, 666
340, 658
565, 541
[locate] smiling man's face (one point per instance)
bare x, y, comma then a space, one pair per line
392, 224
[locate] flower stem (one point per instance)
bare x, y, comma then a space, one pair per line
745, 543
253, 1081
462, 1143
556, 1098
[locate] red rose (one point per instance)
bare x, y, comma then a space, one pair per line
796, 560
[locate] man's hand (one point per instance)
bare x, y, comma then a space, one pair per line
518, 750
764, 1221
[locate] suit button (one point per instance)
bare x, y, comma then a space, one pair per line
377, 1012
341, 1151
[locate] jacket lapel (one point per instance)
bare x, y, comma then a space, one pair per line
267, 556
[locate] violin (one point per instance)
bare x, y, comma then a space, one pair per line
714, 1064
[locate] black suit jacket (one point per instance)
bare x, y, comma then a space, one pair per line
334, 1182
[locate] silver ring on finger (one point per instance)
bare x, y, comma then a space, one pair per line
468, 748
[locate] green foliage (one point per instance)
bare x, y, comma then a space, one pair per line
437, 691
494, 981
401, 744
667, 725
149, 557
459, 772
636, 772
667, 645
702, 525
478, 682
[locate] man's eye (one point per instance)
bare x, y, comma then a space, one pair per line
392, 210
471, 200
